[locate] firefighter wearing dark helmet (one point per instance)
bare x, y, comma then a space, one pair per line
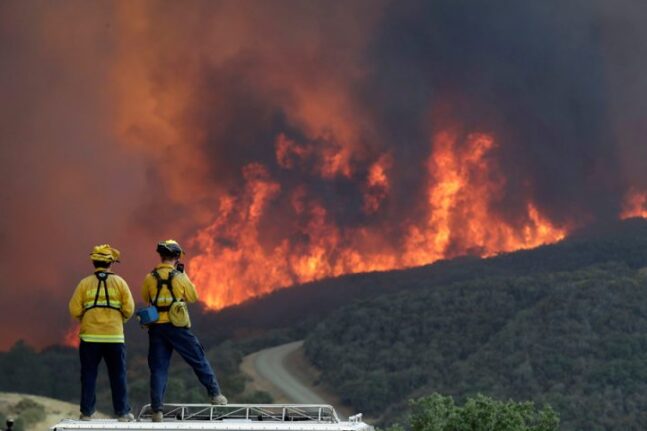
168, 288
102, 302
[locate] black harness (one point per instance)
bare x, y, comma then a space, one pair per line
161, 283
103, 278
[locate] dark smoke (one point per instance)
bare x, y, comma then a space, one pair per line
560, 84
68, 184
531, 73
538, 75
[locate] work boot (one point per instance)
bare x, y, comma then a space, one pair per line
85, 417
218, 399
128, 417
157, 416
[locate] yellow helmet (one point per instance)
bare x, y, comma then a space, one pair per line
104, 253
170, 247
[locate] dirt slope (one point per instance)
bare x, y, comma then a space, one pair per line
55, 410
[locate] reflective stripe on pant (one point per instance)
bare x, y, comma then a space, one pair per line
163, 339
114, 354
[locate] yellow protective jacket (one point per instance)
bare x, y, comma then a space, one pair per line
183, 289
100, 324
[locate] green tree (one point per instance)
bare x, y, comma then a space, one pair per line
480, 413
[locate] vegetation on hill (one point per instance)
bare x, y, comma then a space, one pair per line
300, 308
576, 340
561, 324
480, 413
35, 412
25, 413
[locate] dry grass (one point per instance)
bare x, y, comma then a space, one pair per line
55, 410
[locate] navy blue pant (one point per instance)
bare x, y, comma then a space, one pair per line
114, 354
163, 339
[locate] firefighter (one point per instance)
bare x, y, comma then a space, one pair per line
103, 302
168, 288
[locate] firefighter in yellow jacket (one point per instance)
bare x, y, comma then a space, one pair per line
165, 287
103, 302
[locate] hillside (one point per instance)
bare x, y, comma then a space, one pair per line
33, 412
301, 307
574, 339
473, 309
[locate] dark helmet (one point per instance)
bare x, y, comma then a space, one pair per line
170, 248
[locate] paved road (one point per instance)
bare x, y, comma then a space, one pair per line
270, 365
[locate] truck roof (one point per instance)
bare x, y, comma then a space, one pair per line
231, 417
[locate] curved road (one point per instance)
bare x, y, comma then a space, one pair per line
270, 365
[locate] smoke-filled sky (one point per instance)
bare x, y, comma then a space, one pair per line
284, 141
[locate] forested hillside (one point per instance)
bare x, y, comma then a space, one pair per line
576, 340
561, 324
301, 307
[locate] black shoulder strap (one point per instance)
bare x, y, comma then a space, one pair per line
102, 276
161, 282
159, 287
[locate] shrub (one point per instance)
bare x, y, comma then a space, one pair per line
29, 411
480, 413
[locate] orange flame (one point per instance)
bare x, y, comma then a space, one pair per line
233, 264
462, 196
264, 236
635, 205
377, 184
71, 338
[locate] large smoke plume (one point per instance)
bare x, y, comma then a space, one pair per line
286, 141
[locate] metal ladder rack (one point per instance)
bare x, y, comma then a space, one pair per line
312, 413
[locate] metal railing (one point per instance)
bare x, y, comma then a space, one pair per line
318, 413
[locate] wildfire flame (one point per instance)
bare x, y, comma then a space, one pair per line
464, 187
635, 205
71, 338
267, 223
